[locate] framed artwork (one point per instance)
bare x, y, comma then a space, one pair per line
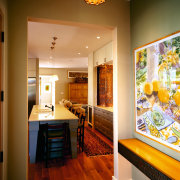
157, 90
77, 74
47, 87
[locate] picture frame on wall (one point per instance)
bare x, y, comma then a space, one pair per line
157, 90
47, 87
77, 74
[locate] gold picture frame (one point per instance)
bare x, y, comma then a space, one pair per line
157, 90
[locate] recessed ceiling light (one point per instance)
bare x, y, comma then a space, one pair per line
79, 53
50, 57
87, 47
98, 37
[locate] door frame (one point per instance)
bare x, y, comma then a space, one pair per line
53, 87
2, 87
115, 88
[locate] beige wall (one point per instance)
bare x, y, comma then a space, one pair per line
32, 67
114, 13
62, 85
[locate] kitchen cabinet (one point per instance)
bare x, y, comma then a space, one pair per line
78, 92
103, 55
103, 121
109, 52
105, 85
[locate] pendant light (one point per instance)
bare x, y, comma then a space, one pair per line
94, 2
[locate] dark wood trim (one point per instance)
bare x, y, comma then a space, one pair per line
2, 36
1, 157
98, 98
149, 170
2, 96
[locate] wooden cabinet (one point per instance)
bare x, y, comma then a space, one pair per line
78, 92
105, 85
103, 55
103, 121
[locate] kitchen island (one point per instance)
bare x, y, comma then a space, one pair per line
41, 115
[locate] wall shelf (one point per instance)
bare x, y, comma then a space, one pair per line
153, 163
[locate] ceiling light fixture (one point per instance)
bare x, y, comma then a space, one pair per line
54, 38
79, 53
52, 47
94, 2
87, 47
53, 43
98, 37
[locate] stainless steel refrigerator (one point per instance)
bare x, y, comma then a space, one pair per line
31, 94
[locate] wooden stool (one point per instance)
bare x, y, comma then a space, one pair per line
80, 130
55, 140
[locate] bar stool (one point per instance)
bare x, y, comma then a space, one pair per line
55, 141
80, 130
68, 105
75, 107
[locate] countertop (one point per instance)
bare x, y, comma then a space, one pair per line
42, 113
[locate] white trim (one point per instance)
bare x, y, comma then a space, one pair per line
115, 103
113, 178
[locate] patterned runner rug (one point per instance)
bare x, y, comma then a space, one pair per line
94, 146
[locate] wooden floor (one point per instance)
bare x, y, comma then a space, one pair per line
82, 168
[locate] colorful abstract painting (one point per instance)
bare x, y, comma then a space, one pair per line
47, 87
157, 90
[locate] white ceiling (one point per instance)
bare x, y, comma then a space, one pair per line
71, 41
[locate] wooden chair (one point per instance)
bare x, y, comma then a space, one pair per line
76, 111
80, 130
68, 105
75, 107
55, 141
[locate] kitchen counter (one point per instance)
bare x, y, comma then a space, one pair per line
42, 115
103, 120
106, 108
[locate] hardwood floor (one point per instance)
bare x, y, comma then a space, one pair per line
82, 168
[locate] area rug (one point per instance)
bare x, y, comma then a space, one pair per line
94, 146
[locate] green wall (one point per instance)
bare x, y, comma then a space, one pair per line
151, 20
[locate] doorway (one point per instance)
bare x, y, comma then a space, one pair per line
53, 65
46, 90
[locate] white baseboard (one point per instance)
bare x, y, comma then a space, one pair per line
113, 178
